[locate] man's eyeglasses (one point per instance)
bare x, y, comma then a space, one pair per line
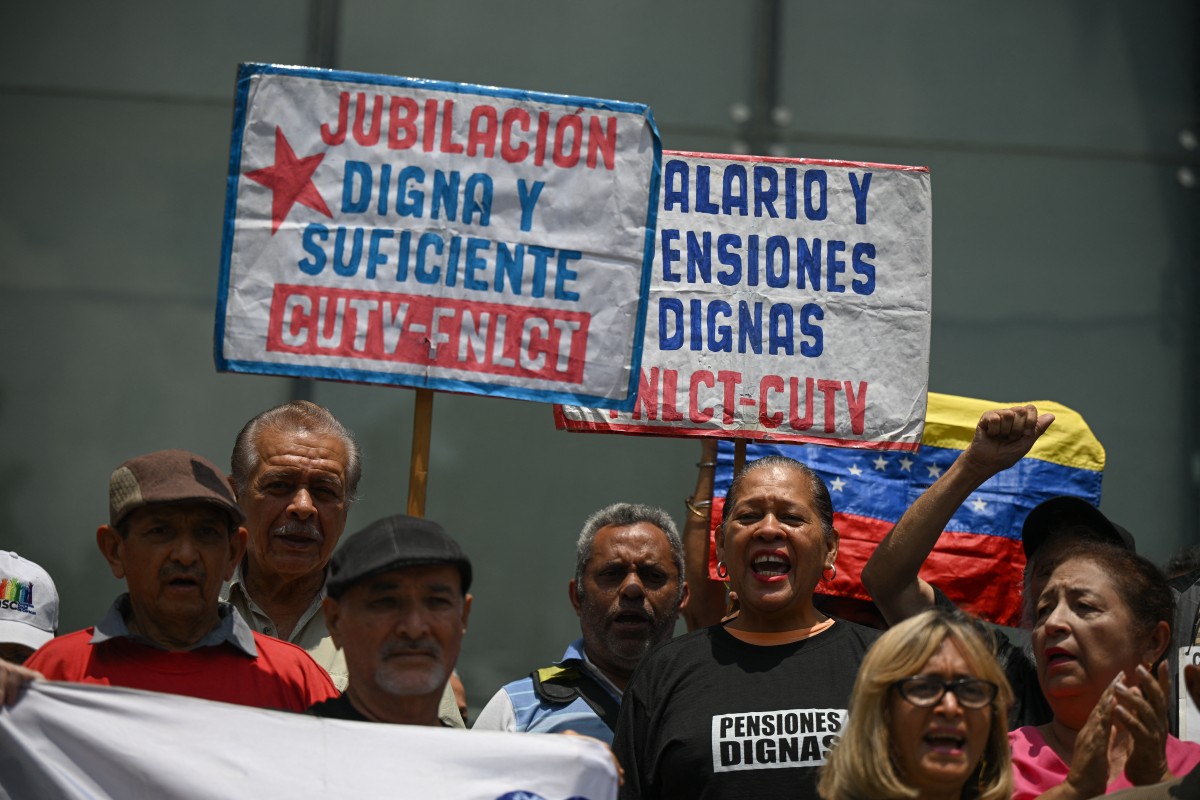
926, 690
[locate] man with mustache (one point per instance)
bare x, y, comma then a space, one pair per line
397, 605
295, 470
628, 591
174, 535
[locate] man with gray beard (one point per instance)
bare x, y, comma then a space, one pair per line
397, 606
628, 591
295, 470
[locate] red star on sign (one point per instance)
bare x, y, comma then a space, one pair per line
290, 181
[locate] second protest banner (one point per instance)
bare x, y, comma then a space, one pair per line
790, 302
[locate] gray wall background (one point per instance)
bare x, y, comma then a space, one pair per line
1064, 248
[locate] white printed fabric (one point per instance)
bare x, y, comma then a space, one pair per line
65, 740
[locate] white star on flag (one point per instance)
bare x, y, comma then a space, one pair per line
880, 463
934, 470
855, 471
978, 505
837, 484
906, 464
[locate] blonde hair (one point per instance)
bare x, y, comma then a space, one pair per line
855, 770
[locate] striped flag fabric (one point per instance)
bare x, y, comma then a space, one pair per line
978, 561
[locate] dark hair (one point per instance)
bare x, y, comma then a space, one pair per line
298, 415
1140, 584
820, 494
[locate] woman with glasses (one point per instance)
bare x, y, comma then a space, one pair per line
931, 696
750, 707
1101, 628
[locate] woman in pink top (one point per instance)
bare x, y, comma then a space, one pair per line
1102, 625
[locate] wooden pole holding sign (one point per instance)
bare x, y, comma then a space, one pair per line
418, 466
739, 455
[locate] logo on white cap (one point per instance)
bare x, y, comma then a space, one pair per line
16, 594
28, 602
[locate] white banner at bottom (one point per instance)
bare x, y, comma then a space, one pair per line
65, 740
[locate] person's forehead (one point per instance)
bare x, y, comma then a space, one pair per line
948, 657
195, 510
639, 542
281, 448
15, 651
775, 479
1079, 572
1081, 577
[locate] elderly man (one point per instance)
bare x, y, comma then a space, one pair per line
295, 470
397, 605
628, 591
174, 535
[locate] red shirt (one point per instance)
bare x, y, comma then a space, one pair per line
281, 676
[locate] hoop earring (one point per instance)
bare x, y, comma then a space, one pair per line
833, 575
722, 570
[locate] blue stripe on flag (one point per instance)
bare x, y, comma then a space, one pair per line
882, 485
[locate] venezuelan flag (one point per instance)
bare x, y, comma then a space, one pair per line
978, 561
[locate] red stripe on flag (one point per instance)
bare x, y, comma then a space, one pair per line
984, 573
976, 570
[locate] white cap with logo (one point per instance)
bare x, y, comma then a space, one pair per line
28, 602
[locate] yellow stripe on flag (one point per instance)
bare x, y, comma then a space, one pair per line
950, 422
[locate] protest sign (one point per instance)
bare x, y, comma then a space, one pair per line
790, 301
437, 235
1189, 712
65, 740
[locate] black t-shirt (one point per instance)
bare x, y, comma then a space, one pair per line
707, 716
339, 707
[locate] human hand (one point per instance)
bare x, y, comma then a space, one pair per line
1089, 761
12, 678
1004, 436
1142, 711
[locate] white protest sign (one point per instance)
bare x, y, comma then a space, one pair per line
437, 235
65, 740
1189, 713
790, 301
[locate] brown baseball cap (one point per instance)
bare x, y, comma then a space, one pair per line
168, 476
